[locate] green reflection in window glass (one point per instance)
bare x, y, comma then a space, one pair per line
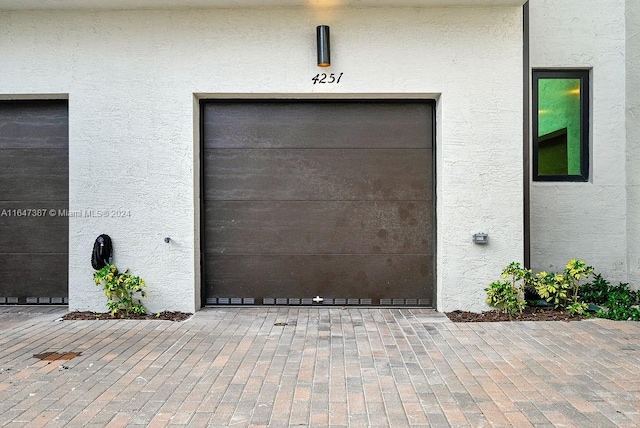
559, 141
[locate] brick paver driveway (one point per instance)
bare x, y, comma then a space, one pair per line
316, 367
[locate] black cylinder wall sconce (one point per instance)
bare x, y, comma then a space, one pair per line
324, 50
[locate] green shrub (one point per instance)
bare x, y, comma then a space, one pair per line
578, 308
562, 289
565, 291
552, 287
120, 289
501, 294
596, 291
621, 304
575, 272
508, 294
617, 302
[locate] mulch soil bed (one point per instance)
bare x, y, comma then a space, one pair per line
164, 316
528, 314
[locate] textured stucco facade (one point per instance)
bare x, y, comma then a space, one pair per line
633, 138
587, 220
133, 79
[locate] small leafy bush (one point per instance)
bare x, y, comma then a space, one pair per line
596, 291
576, 271
508, 294
621, 304
580, 308
553, 288
616, 302
562, 289
120, 288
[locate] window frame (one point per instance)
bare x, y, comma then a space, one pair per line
585, 106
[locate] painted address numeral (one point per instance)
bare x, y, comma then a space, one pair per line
324, 78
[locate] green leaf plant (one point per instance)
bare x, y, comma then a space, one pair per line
552, 287
596, 291
562, 289
120, 289
621, 304
576, 271
566, 291
508, 294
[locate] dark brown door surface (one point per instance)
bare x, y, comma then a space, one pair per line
34, 188
318, 199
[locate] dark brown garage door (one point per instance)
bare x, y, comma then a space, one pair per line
325, 200
34, 189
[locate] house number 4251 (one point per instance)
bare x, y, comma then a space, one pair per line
323, 78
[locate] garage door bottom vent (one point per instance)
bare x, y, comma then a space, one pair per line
312, 302
34, 300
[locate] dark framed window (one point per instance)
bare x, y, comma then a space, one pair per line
560, 125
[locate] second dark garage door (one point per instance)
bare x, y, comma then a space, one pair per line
318, 199
34, 191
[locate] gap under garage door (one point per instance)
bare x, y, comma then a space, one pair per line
318, 202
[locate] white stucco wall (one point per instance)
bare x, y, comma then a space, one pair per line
132, 78
585, 220
633, 139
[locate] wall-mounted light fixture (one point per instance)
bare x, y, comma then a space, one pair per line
480, 238
324, 49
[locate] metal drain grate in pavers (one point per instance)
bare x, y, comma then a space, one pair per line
53, 356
